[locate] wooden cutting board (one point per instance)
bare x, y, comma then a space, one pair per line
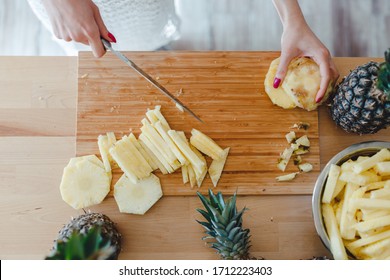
224, 88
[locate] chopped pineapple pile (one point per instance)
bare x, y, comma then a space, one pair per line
298, 146
158, 147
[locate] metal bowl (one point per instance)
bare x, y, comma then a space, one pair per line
352, 152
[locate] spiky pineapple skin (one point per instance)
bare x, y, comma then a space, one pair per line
358, 105
85, 222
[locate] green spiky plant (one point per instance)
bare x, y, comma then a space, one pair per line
91, 236
362, 100
224, 225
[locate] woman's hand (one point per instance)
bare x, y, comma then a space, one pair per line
79, 21
299, 40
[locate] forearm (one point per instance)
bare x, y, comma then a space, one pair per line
289, 12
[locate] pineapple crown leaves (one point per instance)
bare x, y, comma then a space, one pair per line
224, 225
89, 246
384, 75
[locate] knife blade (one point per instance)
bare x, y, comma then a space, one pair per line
136, 68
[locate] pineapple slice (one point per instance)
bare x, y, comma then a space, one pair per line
206, 145
216, 167
84, 182
91, 158
137, 198
184, 147
130, 160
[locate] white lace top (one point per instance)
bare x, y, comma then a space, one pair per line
136, 24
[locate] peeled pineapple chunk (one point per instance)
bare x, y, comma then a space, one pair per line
216, 167
287, 177
206, 145
84, 182
305, 167
137, 198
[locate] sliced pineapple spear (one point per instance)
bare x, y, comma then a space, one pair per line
105, 142
137, 198
206, 145
158, 141
130, 160
216, 167
85, 182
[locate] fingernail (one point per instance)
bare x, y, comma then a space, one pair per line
277, 82
318, 100
112, 37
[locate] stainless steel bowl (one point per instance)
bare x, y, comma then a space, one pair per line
352, 152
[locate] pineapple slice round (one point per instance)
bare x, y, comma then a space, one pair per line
85, 182
137, 198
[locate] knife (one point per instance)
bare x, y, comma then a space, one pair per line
162, 89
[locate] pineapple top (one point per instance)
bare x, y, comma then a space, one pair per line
384, 75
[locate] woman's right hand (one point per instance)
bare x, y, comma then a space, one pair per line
79, 21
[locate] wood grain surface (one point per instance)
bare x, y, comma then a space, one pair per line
38, 98
224, 88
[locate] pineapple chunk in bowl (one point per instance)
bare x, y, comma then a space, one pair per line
342, 239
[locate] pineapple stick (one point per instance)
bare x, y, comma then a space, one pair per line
191, 175
151, 116
205, 144
141, 162
200, 176
123, 155
184, 172
145, 140
103, 145
148, 158
161, 118
111, 141
159, 142
153, 157
197, 164
159, 127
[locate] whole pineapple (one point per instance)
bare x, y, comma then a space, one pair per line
362, 101
224, 225
89, 236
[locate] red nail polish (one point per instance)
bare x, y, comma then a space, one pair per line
277, 82
112, 37
318, 100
